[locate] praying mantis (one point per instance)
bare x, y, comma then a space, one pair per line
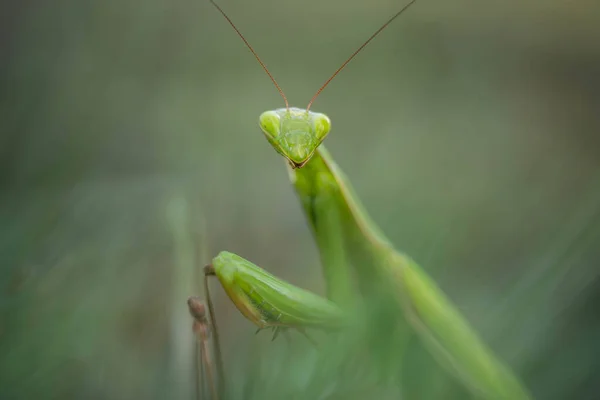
355, 254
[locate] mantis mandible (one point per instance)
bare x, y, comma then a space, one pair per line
354, 252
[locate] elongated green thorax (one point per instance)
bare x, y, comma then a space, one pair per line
295, 133
388, 278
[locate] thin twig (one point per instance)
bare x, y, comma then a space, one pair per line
199, 371
202, 331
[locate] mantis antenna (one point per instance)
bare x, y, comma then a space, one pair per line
287, 106
253, 52
377, 32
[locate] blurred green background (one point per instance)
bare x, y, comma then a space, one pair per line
130, 155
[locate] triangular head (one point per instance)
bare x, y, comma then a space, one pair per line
294, 132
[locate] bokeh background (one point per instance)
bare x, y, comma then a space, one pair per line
130, 154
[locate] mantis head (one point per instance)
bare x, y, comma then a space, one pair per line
295, 133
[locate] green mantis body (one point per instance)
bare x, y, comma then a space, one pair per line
354, 253
326, 195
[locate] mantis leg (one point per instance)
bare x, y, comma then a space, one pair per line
209, 271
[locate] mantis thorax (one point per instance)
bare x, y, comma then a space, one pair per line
295, 133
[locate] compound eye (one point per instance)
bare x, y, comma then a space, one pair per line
322, 126
270, 123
